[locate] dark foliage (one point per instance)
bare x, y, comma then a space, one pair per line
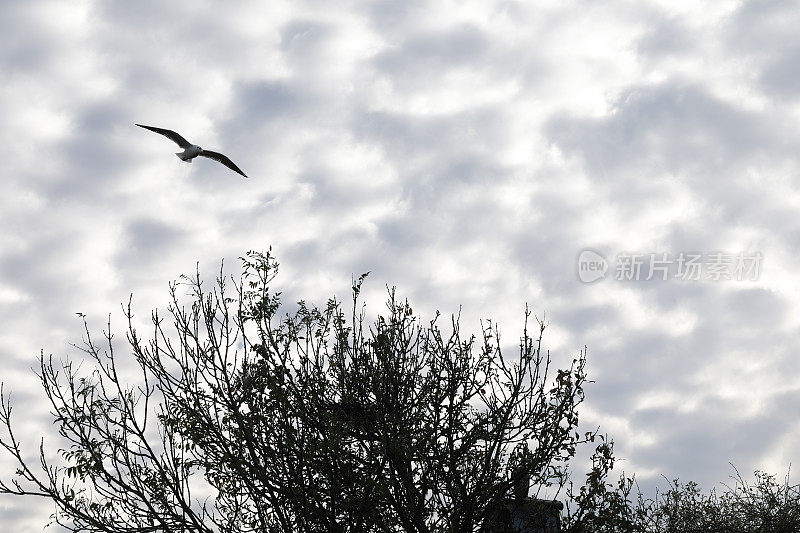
764, 506
246, 419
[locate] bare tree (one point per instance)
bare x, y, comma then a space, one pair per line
245, 418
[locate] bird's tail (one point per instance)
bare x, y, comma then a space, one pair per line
183, 157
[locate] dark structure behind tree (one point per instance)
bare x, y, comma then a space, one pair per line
526, 515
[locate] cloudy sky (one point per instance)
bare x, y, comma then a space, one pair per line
466, 152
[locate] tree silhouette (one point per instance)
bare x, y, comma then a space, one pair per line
763, 506
246, 418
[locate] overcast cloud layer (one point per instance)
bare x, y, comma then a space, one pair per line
465, 152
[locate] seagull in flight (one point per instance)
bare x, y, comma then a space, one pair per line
190, 151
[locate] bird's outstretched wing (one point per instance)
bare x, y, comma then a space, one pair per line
169, 134
222, 159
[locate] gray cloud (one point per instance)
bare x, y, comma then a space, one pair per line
671, 127
780, 76
424, 56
